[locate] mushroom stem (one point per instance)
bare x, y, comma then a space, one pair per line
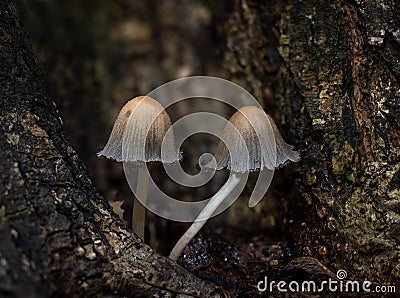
232, 182
138, 173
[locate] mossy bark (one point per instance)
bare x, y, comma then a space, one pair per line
59, 237
329, 72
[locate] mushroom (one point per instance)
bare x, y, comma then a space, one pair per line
136, 138
250, 141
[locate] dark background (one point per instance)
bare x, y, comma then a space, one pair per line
96, 55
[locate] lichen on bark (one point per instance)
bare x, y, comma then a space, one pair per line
337, 92
348, 90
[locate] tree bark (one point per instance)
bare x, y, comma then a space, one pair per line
331, 69
59, 236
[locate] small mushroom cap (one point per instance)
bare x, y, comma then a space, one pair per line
263, 145
284, 152
138, 133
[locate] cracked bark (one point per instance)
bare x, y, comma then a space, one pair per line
59, 237
331, 69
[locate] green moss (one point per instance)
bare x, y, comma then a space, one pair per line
350, 177
343, 161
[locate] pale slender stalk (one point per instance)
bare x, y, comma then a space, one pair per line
139, 210
205, 214
138, 180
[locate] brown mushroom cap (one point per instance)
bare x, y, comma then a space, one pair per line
138, 133
263, 145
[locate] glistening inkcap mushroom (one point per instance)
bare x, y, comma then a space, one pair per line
136, 138
263, 149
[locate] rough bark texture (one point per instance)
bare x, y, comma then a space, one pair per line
59, 237
331, 69
328, 72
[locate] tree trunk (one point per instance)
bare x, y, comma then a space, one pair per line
59, 237
329, 72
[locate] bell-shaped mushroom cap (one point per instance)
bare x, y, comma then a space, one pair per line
263, 145
138, 134
284, 152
